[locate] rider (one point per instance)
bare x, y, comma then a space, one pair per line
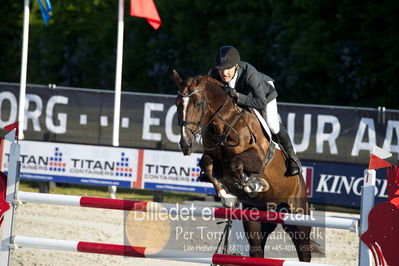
251, 88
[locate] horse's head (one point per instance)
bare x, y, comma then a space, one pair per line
191, 108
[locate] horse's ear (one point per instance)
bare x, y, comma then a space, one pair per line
178, 79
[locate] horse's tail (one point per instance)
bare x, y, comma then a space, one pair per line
315, 247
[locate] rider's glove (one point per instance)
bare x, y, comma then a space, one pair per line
231, 92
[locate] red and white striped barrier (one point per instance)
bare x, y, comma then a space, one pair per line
143, 252
8, 242
192, 211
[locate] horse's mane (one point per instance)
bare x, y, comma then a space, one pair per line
215, 81
205, 78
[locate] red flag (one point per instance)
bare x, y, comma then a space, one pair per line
12, 126
377, 157
146, 9
377, 162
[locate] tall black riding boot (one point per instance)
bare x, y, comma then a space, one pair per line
203, 178
293, 165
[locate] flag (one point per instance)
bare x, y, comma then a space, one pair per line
46, 9
377, 157
12, 126
146, 9
13, 131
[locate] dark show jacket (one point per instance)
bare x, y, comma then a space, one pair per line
253, 87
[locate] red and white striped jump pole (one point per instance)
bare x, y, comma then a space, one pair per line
187, 210
144, 252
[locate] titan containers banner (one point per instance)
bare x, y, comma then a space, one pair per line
326, 183
167, 170
106, 166
71, 163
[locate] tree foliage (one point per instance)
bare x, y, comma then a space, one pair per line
318, 51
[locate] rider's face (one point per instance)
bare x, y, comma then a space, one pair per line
227, 74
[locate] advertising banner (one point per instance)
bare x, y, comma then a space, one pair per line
326, 183
148, 121
108, 166
68, 138
72, 163
168, 170
340, 184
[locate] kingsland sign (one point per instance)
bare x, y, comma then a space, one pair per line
340, 184
322, 133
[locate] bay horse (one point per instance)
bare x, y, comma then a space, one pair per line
236, 151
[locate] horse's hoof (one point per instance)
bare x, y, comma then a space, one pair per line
256, 184
265, 185
228, 200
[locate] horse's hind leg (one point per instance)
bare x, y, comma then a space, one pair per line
300, 236
257, 233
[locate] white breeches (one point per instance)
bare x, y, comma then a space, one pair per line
272, 117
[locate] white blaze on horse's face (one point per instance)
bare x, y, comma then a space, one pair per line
185, 104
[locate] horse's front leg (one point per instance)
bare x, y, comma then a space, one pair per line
251, 184
237, 172
206, 164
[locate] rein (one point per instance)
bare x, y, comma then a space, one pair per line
221, 140
189, 94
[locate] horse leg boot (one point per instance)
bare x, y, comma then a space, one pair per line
206, 164
237, 173
203, 177
250, 184
293, 165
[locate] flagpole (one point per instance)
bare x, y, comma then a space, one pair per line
118, 74
118, 84
24, 63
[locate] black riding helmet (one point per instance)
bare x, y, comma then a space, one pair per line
227, 57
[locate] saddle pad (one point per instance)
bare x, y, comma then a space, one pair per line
265, 127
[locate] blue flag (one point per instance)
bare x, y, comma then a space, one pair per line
46, 10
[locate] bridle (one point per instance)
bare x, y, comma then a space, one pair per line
186, 123
219, 139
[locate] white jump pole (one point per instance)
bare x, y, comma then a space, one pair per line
145, 252
7, 230
366, 204
190, 210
